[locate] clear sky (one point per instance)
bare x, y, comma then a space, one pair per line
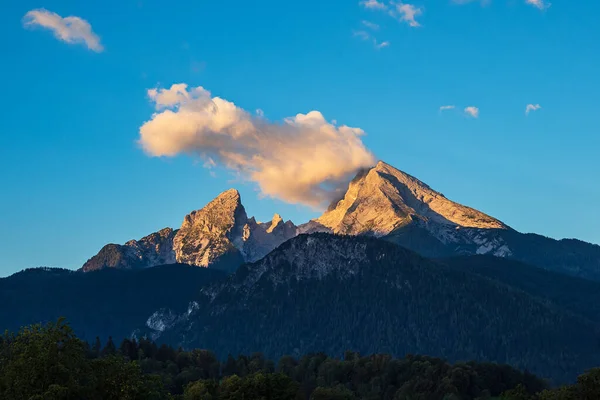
74, 176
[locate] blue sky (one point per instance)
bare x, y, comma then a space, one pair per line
75, 178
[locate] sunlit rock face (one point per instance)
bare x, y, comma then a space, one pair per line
222, 227
210, 232
385, 202
384, 198
218, 235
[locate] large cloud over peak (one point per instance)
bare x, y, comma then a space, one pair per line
305, 159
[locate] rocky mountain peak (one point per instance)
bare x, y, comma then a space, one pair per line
275, 222
221, 210
150, 251
210, 232
260, 238
434, 205
219, 235
383, 198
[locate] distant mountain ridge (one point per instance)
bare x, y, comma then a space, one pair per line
381, 201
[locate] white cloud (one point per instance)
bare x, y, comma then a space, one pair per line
209, 163
69, 29
381, 45
541, 4
461, 2
370, 25
364, 35
532, 107
303, 159
444, 108
374, 5
407, 13
472, 111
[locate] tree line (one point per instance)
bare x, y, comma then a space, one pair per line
47, 362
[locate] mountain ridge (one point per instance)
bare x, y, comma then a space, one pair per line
219, 235
381, 201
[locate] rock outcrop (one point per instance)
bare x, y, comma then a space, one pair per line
220, 235
150, 251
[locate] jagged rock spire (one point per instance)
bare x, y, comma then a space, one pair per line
210, 232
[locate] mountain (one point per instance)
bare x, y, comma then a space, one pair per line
150, 251
209, 234
331, 293
220, 235
575, 295
386, 202
381, 201
110, 302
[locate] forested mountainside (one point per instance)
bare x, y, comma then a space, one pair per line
66, 367
578, 296
333, 293
101, 303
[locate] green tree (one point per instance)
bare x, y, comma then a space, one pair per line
335, 393
201, 390
231, 388
43, 362
518, 393
119, 379
110, 349
588, 385
562, 393
96, 348
230, 367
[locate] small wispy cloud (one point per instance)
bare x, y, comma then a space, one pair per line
70, 29
374, 5
381, 45
407, 13
532, 107
209, 163
445, 108
472, 111
364, 35
541, 4
370, 25
461, 2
